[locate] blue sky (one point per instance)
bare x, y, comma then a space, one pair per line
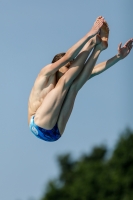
32, 32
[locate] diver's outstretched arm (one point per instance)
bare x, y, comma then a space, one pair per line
74, 50
122, 53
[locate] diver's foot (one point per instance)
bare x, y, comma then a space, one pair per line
96, 40
104, 33
96, 27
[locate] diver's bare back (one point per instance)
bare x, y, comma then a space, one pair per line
42, 86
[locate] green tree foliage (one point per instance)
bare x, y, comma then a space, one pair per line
95, 176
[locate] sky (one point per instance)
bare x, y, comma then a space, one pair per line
31, 33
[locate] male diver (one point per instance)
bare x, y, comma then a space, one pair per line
56, 86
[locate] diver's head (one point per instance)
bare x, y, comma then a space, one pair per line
63, 69
58, 57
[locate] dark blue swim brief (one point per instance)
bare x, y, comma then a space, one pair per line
47, 135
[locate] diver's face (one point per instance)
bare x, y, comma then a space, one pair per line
69, 63
63, 70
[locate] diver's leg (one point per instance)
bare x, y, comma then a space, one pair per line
68, 103
85, 74
82, 78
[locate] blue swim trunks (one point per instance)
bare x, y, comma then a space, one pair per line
47, 135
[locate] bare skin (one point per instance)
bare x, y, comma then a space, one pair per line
55, 98
48, 91
84, 76
122, 53
59, 94
104, 33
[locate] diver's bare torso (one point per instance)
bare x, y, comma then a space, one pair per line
42, 86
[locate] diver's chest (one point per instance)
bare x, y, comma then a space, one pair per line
49, 85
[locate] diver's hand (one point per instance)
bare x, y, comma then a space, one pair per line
125, 50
